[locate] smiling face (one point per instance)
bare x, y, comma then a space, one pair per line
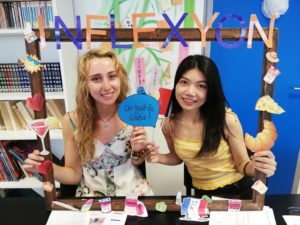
191, 90
103, 81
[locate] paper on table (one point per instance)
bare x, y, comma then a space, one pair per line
264, 217
63, 217
292, 219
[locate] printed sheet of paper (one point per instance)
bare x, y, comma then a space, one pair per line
63, 217
292, 219
264, 217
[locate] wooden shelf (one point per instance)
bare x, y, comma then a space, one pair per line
27, 134
28, 182
11, 31
11, 96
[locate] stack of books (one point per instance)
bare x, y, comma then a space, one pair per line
14, 78
15, 115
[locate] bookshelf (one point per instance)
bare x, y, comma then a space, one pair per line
13, 38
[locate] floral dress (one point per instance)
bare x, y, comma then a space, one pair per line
111, 172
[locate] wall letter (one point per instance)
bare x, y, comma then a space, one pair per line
137, 30
42, 32
89, 31
268, 41
174, 30
204, 31
58, 21
113, 34
218, 31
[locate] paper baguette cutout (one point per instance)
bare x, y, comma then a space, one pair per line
266, 103
264, 140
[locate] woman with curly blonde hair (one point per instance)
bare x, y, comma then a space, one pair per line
97, 143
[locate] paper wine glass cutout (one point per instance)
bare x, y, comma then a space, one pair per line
40, 128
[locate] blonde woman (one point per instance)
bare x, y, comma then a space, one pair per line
97, 143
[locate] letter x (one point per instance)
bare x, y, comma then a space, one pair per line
174, 30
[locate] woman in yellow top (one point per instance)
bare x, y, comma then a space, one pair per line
206, 136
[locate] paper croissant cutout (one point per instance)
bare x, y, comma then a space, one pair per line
264, 139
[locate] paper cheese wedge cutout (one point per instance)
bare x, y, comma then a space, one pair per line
266, 103
264, 140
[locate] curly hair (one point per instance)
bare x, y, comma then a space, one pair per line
85, 111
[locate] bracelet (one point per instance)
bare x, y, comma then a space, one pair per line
245, 169
137, 155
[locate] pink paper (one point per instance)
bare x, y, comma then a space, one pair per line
183, 52
139, 64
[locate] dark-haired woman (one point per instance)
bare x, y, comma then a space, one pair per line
203, 133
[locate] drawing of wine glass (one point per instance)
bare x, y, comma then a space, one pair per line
41, 129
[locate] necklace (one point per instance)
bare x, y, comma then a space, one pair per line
106, 123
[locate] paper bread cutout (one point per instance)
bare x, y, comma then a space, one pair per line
264, 139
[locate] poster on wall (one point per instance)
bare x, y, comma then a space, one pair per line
155, 63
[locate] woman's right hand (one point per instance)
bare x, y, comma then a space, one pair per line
34, 159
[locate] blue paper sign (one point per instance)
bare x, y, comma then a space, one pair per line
139, 109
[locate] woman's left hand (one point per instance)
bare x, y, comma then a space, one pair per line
138, 138
264, 161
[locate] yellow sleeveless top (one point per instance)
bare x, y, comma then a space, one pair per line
211, 172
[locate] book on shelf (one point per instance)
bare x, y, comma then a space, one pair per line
19, 116
55, 110
10, 166
5, 116
23, 110
13, 118
2, 124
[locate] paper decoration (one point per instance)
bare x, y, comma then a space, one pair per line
272, 57
254, 21
137, 30
264, 140
165, 95
59, 21
52, 122
133, 207
30, 36
220, 25
45, 167
139, 65
87, 206
208, 25
260, 187
36, 102
183, 53
31, 63
194, 209
154, 82
164, 4
174, 30
161, 206
234, 204
271, 75
113, 34
105, 205
276, 8
42, 32
47, 186
266, 103
139, 109
167, 74
176, 2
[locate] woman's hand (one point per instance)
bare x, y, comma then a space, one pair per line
153, 153
264, 161
138, 139
34, 159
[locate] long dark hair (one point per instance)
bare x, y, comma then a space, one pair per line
213, 110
